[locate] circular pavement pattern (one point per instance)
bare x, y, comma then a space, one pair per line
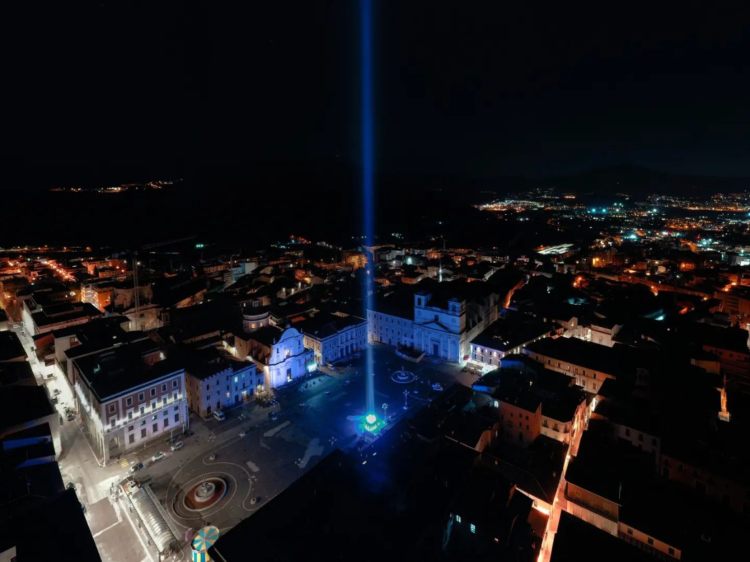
403, 377
201, 494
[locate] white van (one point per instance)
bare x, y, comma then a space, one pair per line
219, 415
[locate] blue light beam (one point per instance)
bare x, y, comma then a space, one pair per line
368, 169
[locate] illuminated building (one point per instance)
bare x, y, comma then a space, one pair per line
333, 337
215, 381
279, 354
589, 364
128, 396
39, 319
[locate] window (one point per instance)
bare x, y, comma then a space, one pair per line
174, 383
142, 409
141, 397
153, 392
155, 428
473, 528
176, 408
458, 518
129, 401
208, 388
153, 417
130, 428
174, 396
166, 423
112, 422
131, 439
111, 408
164, 387
177, 418
143, 433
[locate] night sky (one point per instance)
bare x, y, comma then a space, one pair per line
462, 88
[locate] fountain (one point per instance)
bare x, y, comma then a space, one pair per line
205, 494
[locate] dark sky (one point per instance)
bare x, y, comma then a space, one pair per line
462, 88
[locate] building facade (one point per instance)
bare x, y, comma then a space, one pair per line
219, 382
279, 354
441, 321
334, 337
127, 398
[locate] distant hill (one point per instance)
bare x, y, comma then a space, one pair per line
639, 181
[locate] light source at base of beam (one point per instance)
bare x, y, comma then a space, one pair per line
371, 423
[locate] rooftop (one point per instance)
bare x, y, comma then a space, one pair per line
325, 325
116, 370
10, 346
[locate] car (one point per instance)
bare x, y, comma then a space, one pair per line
177, 445
219, 415
135, 468
158, 456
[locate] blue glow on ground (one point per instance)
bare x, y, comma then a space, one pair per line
368, 168
372, 424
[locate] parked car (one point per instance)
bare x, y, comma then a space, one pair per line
219, 415
176, 446
136, 467
158, 456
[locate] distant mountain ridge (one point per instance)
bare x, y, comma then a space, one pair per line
640, 181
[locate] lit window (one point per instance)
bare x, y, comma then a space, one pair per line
473, 528
458, 518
